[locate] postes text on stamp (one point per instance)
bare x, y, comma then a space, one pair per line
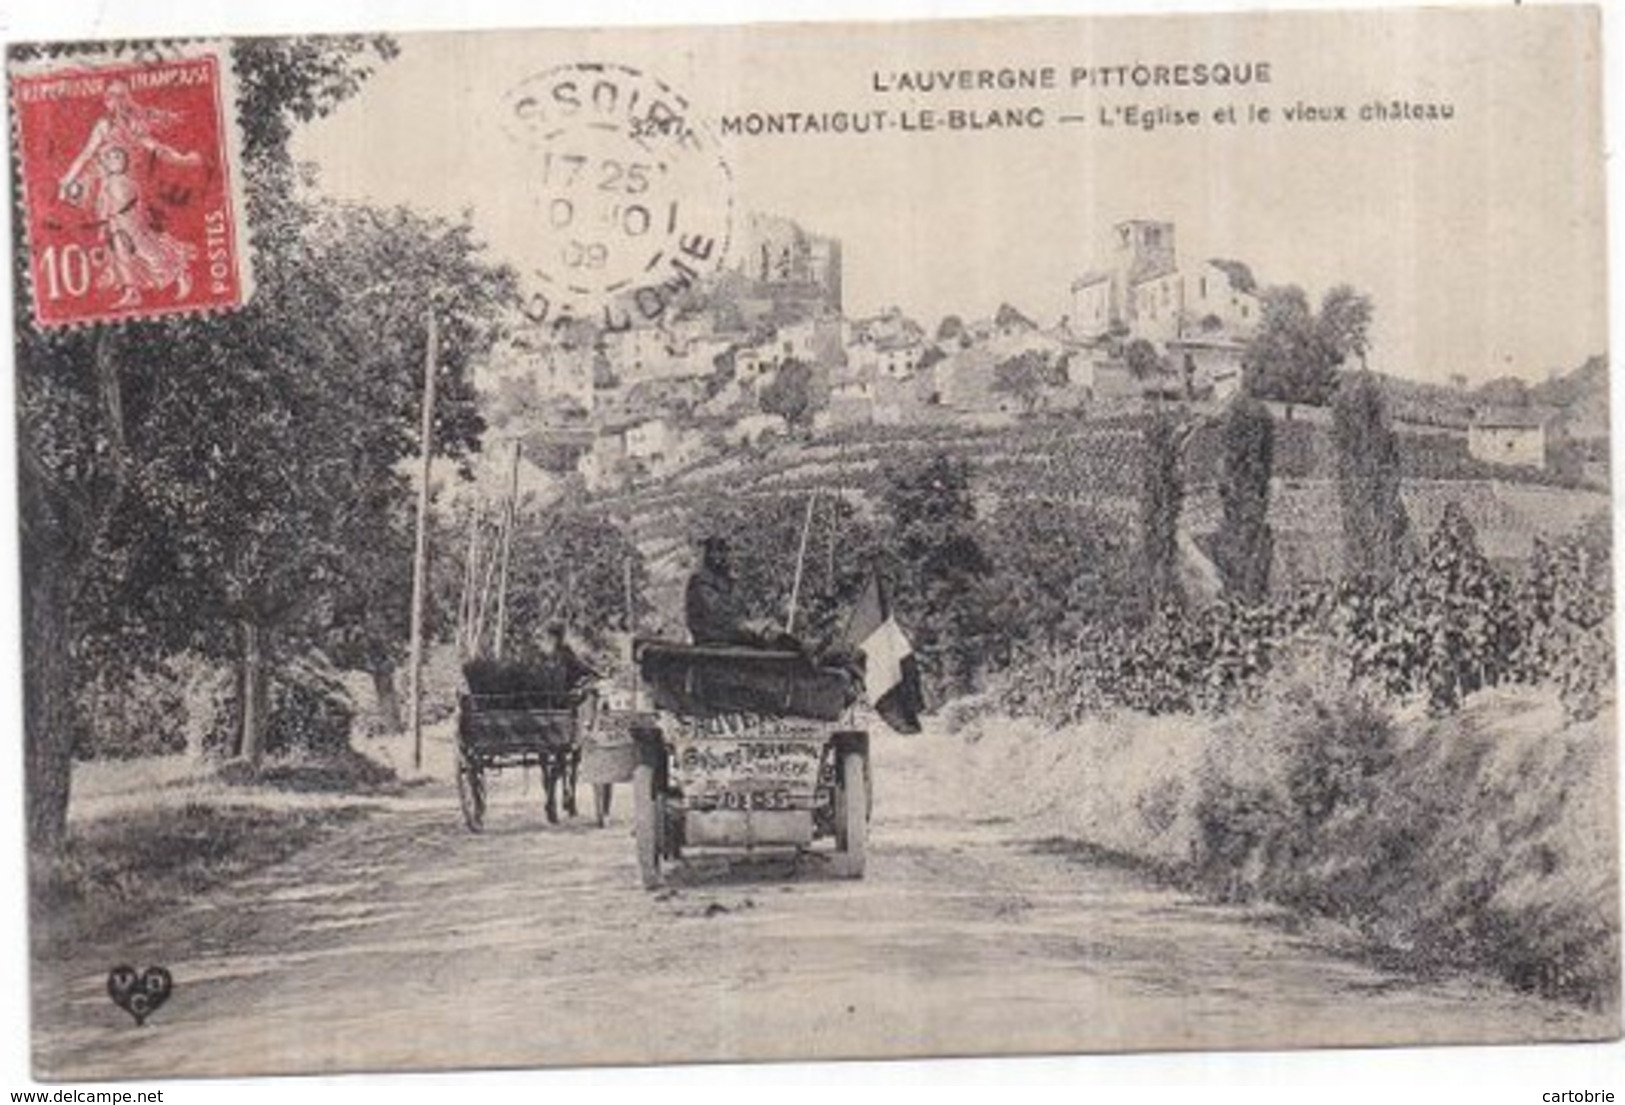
128, 186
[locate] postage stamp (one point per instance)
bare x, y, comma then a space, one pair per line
631, 200
130, 185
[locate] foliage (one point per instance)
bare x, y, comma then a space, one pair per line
142, 714
1469, 841
1142, 359
567, 564
1453, 845
1447, 625
790, 393
1295, 355
1245, 544
266, 445
938, 567
1027, 374
1566, 602
1506, 391
1368, 480
1161, 499
309, 714
1058, 567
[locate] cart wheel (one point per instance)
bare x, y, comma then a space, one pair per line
550, 789
601, 795
471, 793
571, 768
852, 815
646, 825
671, 830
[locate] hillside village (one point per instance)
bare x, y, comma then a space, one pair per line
764, 353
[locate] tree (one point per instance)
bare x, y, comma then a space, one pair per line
1059, 568
1369, 471
1142, 359
1161, 500
271, 441
370, 615
1026, 375
90, 530
1245, 543
790, 393
935, 559
569, 565
1505, 391
1295, 355
1344, 324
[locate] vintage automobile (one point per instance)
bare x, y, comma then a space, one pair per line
747, 750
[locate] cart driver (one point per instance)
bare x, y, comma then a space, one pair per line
715, 614
563, 671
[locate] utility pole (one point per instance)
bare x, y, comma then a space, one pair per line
507, 548
466, 648
631, 629
626, 592
420, 559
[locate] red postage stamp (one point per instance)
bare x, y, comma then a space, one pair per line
129, 186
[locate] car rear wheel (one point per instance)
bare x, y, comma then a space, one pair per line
852, 815
471, 793
646, 824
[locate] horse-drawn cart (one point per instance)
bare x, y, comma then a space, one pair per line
750, 749
518, 728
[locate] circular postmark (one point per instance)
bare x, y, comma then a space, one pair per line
630, 203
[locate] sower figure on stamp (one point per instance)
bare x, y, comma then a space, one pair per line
143, 256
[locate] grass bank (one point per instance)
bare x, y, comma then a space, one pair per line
1482, 840
150, 835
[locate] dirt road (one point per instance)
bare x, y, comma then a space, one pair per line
404, 942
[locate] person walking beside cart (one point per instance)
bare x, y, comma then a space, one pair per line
567, 680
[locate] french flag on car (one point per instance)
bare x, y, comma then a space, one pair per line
891, 675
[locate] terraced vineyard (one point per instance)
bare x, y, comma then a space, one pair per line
1096, 462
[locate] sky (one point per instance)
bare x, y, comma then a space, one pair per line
1480, 240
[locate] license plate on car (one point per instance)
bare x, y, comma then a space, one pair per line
754, 800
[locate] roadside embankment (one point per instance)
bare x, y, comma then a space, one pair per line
1484, 840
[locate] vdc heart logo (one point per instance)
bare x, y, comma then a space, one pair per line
139, 993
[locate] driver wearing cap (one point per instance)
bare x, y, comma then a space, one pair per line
715, 614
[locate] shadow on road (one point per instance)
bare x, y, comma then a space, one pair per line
699, 870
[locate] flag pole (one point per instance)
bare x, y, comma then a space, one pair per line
801, 562
420, 555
